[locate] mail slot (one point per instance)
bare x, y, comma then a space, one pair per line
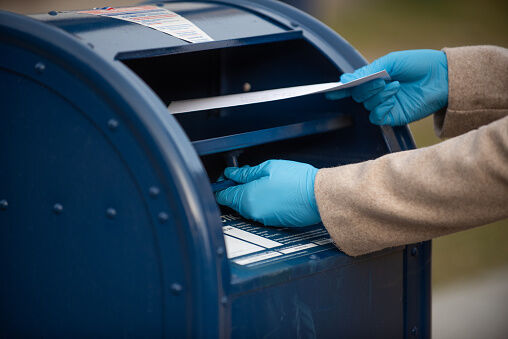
109, 224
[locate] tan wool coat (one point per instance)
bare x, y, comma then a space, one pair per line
420, 194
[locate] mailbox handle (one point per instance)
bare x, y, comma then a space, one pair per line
254, 138
221, 185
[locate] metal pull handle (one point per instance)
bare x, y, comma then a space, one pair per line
222, 185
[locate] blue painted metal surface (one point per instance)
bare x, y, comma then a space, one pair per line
265, 136
108, 221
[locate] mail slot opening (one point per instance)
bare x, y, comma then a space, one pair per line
320, 151
232, 70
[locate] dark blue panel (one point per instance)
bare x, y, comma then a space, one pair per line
249, 139
360, 300
78, 267
417, 290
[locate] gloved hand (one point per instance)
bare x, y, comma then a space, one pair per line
275, 193
419, 87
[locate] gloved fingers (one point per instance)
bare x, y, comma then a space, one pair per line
337, 95
230, 197
374, 67
246, 174
398, 116
381, 114
367, 90
391, 89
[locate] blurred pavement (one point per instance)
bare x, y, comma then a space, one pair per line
475, 308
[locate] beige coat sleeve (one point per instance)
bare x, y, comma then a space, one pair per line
417, 195
477, 89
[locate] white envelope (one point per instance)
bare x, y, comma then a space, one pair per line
231, 100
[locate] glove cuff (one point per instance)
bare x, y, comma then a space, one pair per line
311, 197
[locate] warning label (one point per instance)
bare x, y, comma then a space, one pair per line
249, 243
157, 18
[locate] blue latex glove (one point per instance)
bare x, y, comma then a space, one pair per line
275, 193
419, 87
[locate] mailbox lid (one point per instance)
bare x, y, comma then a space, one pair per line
110, 36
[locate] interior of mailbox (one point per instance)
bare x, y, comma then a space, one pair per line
318, 129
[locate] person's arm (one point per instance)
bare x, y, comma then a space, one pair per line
421, 194
403, 197
477, 89
417, 195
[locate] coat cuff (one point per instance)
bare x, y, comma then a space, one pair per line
477, 87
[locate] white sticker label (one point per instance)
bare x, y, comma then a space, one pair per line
236, 247
250, 237
157, 18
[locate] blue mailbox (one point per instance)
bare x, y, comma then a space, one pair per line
108, 222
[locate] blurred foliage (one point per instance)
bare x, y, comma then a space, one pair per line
468, 253
379, 27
